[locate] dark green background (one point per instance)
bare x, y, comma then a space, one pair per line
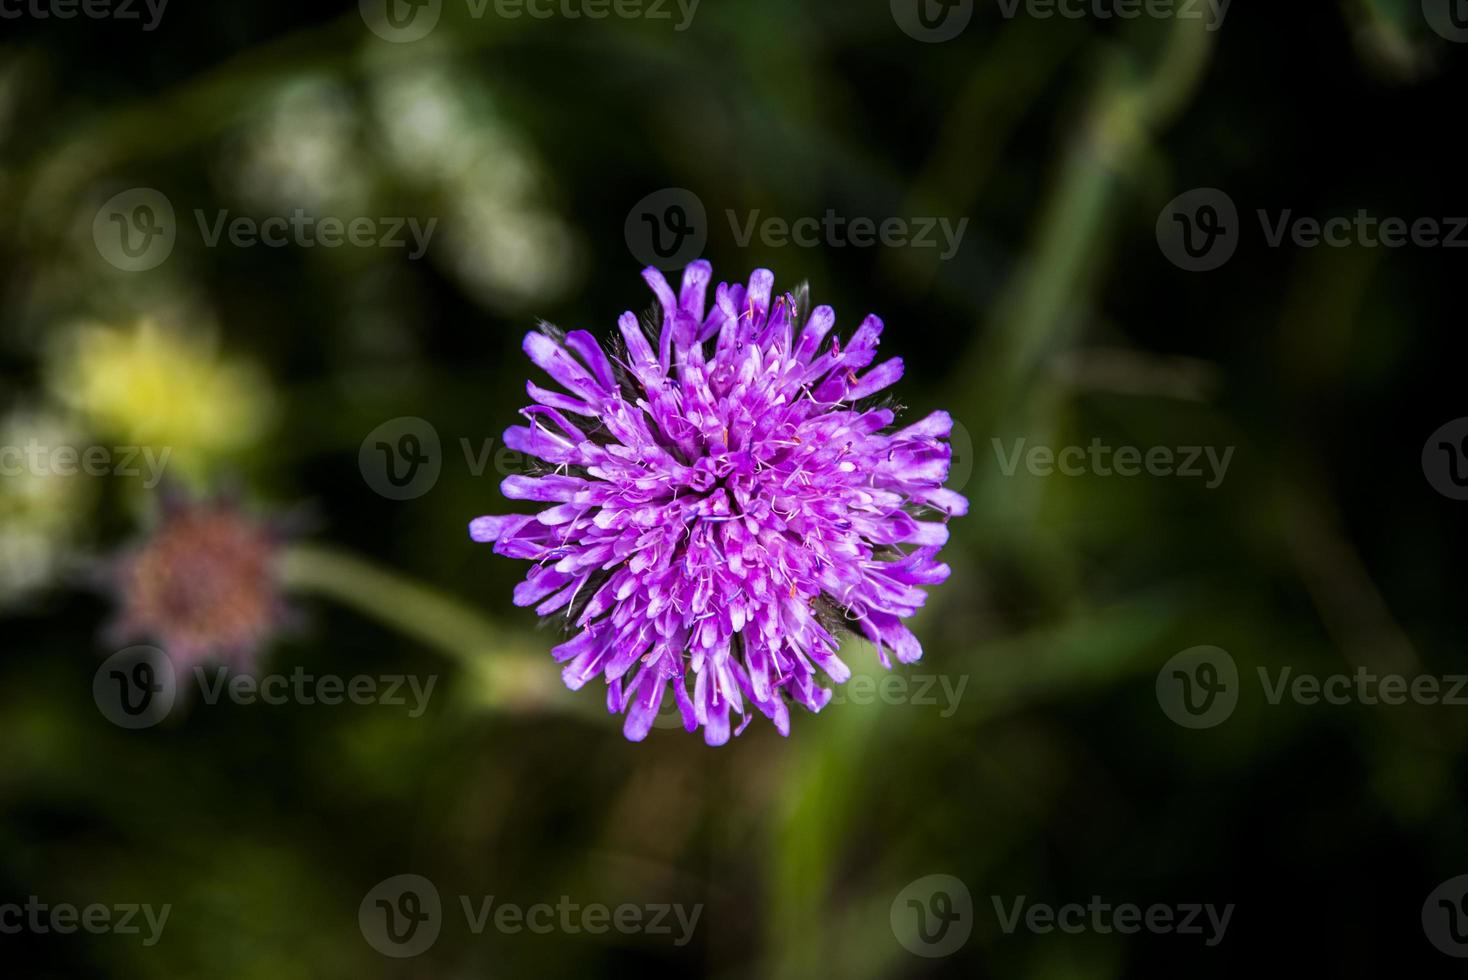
1060, 320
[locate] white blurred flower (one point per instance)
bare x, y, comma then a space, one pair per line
302, 152
509, 256
40, 511
502, 238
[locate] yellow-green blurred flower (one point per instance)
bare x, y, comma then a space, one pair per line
151, 386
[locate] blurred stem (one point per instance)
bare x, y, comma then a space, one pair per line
515, 677
1113, 140
396, 601
1004, 390
1002, 89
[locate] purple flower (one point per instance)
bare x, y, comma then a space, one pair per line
723, 501
204, 583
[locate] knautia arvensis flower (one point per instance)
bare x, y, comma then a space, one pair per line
204, 584
724, 500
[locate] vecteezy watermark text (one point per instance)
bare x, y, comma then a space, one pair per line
833, 230
935, 691
1200, 230
1363, 687
405, 21
939, 691
299, 687
138, 687
136, 230
935, 21
89, 9
307, 231
36, 459
402, 458
402, 916
1200, 688
1099, 459
934, 916
41, 918
670, 227
541, 918
1103, 918
1212, 12
590, 10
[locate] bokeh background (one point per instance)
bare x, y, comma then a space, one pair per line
1055, 774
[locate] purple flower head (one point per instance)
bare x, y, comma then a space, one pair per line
723, 501
204, 583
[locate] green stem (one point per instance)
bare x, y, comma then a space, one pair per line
515, 676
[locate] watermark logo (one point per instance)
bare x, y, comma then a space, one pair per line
401, 916
1199, 230
1199, 687
932, 21
1445, 459
1445, 917
135, 230
1449, 18
667, 229
400, 21
135, 688
401, 459
933, 916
